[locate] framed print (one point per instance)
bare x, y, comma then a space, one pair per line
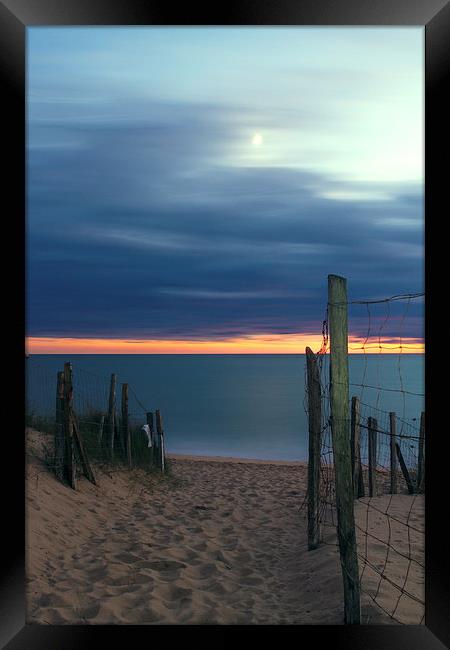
229, 307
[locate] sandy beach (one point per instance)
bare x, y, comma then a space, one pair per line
216, 541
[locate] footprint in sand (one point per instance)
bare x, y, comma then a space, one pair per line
51, 600
227, 530
230, 544
217, 588
184, 554
127, 558
97, 574
141, 579
201, 571
118, 580
146, 616
225, 558
174, 593
89, 611
165, 565
251, 581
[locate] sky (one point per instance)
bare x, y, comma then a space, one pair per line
190, 189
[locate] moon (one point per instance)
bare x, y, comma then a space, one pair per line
257, 140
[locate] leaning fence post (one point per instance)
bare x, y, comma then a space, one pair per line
159, 429
372, 426
421, 486
314, 421
100, 432
420, 461
68, 426
111, 412
355, 446
393, 432
125, 425
84, 459
152, 435
340, 429
404, 469
59, 427
118, 438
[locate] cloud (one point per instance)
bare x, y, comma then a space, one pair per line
147, 228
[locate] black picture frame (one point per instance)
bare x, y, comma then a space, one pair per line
15, 17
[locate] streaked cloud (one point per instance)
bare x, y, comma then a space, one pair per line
152, 216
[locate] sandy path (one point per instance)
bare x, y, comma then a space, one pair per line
216, 542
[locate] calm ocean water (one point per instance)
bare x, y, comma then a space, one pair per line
249, 406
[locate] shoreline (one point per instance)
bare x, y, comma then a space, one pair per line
236, 459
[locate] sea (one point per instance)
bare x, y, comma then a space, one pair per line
239, 405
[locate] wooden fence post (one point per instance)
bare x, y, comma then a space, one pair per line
159, 429
100, 432
59, 428
152, 435
111, 413
315, 424
340, 429
404, 469
125, 424
372, 426
118, 438
393, 432
355, 446
68, 426
85, 464
420, 461
421, 486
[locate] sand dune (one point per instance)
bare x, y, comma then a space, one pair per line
218, 541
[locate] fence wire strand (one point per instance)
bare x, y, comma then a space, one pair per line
389, 527
103, 431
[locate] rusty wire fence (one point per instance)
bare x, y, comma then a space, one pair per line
113, 427
387, 449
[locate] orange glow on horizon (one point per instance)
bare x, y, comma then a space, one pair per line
359, 345
252, 344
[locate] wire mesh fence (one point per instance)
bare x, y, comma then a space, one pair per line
111, 426
387, 460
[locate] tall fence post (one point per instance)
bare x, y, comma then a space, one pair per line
59, 427
111, 413
159, 429
152, 435
372, 426
406, 475
355, 446
68, 426
125, 424
393, 432
315, 422
421, 458
340, 429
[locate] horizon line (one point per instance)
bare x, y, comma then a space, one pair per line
252, 344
